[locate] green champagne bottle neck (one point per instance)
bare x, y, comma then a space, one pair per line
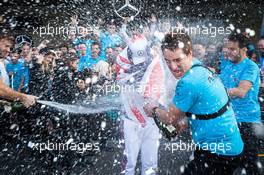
169, 131
16, 106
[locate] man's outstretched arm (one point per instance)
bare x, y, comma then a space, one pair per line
9, 94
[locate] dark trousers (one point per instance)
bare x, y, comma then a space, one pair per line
205, 163
251, 147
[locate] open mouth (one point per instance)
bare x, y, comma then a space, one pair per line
177, 71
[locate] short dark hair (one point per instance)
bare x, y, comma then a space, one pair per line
83, 24
18, 51
172, 41
84, 74
25, 44
261, 38
81, 43
96, 43
64, 45
50, 53
240, 38
109, 47
72, 58
111, 23
8, 37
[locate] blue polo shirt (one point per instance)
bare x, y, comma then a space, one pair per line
83, 62
87, 61
246, 109
261, 66
18, 73
26, 68
261, 62
87, 42
201, 92
223, 61
110, 40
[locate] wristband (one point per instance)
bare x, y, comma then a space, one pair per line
154, 111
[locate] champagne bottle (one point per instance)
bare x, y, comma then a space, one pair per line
169, 131
16, 106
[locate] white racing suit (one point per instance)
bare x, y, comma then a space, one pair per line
140, 131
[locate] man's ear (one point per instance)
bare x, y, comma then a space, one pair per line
245, 49
190, 55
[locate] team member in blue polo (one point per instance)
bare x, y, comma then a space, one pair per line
15, 69
201, 97
6, 93
241, 77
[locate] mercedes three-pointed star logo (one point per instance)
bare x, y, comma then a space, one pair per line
140, 53
128, 6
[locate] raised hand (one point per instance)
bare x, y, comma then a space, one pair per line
74, 20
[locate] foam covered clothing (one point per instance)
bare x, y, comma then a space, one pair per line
140, 76
261, 66
110, 40
201, 92
3, 74
246, 109
83, 62
87, 42
26, 67
102, 68
18, 73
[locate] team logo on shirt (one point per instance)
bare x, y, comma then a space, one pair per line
210, 78
234, 78
140, 53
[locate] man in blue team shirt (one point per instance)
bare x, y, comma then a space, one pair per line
26, 60
241, 77
15, 70
97, 62
110, 38
81, 33
84, 57
6, 93
260, 49
97, 54
201, 97
87, 41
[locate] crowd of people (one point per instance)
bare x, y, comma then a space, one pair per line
30, 67
73, 73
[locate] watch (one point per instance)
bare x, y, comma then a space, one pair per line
154, 114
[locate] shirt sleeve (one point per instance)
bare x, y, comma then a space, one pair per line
250, 73
8, 68
184, 96
76, 41
22, 71
123, 33
223, 62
